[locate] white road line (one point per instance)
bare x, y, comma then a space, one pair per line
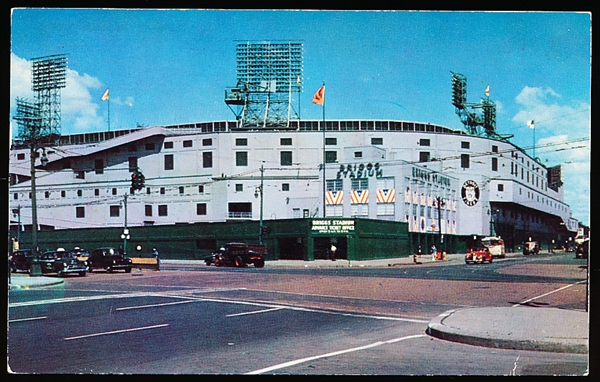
333, 354
546, 294
28, 319
116, 332
156, 305
253, 312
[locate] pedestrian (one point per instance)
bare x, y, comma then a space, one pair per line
433, 252
333, 249
419, 251
157, 257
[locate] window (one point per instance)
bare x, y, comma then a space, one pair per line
181, 190
500, 187
286, 158
114, 191
358, 154
330, 156
79, 193
114, 211
240, 210
241, 158
424, 156
163, 210
330, 141
377, 141
285, 141
241, 141
47, 194
201, 209
239, 187
494, 164
201, 189
464, 161
16, 196
335, 185
99, 166
96, 192
207, 159
133, 164
148, 210
285, 187
465, 145
360, 184
79, 174
187, 143
80, 212
169, 162
149, 146
494, 148
207, 142
168, 145
63, 194
20, 156
424, 142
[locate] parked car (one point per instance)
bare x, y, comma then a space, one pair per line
531, 248
240, 255
81, 254
20, 260
61, 263
109, 259
479, 255
582, 250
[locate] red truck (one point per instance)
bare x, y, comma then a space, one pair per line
239, 255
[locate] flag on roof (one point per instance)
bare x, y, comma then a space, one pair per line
105, 95
319, 97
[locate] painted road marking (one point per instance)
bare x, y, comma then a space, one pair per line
28, 319
155, 305
549, 293
254, 312
116, 332
332, 354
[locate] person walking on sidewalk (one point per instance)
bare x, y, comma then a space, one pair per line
333, 249
433, 252
157, 257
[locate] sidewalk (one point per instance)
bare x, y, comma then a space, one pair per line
24, 281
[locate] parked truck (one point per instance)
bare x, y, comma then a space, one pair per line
239, 255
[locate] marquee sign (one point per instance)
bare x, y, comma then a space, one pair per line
470, 193
332, 226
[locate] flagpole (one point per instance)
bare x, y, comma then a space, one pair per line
108, 113
324, 178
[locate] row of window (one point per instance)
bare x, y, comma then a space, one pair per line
163, 210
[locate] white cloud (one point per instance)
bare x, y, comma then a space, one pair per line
79, 109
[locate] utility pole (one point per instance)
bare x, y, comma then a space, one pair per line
260, 224
125, 234
440, 203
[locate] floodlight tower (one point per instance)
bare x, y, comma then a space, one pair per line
268, 75
48, 77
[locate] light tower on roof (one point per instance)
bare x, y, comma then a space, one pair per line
269, 75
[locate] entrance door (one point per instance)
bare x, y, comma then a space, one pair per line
322, 249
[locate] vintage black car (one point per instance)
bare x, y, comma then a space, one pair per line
21, 260
109, 259
239, 255
61, 263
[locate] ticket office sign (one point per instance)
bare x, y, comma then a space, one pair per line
332, 226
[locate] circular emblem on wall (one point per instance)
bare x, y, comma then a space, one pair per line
470, 192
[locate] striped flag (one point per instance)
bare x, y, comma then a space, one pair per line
319, 97
105, 95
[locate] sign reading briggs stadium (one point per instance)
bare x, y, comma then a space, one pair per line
430, 176
332, 226
360, 171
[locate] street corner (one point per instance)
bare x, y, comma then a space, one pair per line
18, 281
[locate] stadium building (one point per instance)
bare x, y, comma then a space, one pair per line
375, 188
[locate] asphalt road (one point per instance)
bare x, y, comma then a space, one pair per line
284, 321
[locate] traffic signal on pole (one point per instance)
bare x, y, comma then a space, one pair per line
137, 180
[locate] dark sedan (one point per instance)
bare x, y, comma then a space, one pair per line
61, 263
21, 260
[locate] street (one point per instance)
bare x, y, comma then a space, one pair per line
208, 320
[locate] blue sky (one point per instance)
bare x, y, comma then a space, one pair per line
168, 67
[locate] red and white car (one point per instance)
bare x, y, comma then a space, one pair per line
479, 255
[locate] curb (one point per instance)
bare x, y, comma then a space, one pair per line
436, 328
39, 282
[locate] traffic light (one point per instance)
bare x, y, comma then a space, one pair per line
137, 180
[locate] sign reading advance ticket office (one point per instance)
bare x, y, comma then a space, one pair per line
332, 226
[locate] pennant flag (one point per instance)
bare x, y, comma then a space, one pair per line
319, 97
105, 95
487, 91
531, 124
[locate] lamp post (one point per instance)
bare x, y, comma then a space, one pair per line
258, 193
